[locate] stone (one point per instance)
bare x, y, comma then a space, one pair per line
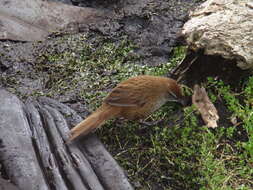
223, 27
31, 20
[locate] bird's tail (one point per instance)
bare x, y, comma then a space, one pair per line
93, 121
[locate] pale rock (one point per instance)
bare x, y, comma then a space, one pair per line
223, 27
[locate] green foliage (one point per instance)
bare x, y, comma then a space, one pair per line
88, 70
179, 154
243, 109
187, 155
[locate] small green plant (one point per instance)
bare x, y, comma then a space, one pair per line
243, 109
89, 70
185, 154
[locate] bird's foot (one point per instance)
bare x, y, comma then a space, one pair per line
179, 119
150, 123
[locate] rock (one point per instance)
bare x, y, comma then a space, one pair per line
30, 20
223, 27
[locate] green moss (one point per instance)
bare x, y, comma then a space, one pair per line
89, 70
179, 154
187, 155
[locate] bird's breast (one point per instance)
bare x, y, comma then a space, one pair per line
157, 103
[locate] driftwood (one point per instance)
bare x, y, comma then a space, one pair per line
6, 185
41, 144
79, 160
105, 167
73, 179
16, 151
51, 169
35, 156
206, 108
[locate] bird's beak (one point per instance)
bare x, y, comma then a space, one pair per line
185, 101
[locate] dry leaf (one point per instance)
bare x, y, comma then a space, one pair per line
206, 108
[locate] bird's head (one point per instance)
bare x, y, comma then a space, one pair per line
174, 93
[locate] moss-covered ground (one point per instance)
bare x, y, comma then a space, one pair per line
179, 154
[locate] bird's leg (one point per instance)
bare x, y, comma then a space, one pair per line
178, 120
119, 121
150, 123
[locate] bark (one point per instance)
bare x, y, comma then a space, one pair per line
16, 151
34, 154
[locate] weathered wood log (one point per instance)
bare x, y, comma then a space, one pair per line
45, 155
6, 185
65, 164
35, 156
106, 168
81, 163
16, 150
22, 20
70, 115
104, 165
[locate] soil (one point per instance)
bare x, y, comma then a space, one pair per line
139, 21
197, 67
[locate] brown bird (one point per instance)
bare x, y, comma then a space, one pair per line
132, 99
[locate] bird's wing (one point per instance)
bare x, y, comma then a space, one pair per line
127, 96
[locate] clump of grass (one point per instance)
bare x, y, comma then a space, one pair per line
226, 153
189, 155
241, 107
